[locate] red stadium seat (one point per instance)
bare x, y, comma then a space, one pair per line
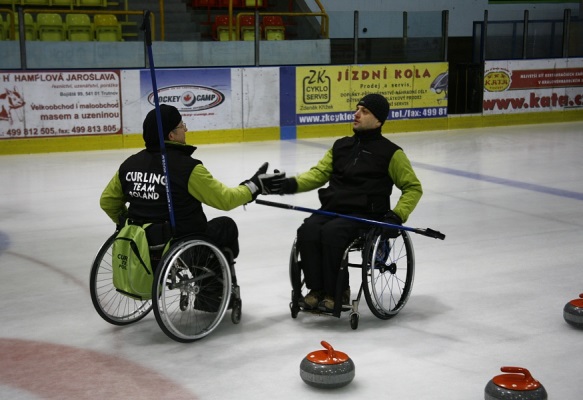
247, 27
273, 28
221, 28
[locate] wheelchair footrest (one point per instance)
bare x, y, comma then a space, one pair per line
317, 311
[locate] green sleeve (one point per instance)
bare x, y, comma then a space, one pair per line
206, 189
404, 177
317, 176
112, 199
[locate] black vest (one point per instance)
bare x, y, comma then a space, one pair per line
144, 185
360, 183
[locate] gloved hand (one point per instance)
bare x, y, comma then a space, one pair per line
270, 183
264, 183
288, 186
391, 218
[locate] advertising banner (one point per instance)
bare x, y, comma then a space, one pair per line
203, 96
521, 86
41, 104
329, 94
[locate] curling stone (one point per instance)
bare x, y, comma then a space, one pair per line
517, 384
327, 369
573, 312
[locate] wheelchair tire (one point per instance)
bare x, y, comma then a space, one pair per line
296, 280
113, 306
354, 317
387, 274
195, 274
237, 311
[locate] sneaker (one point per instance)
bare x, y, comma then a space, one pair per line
328, 303
312, 299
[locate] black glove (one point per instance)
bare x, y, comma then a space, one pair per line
264, 183
289, 186
391, 218
270, 183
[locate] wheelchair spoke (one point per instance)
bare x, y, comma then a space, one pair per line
194, 302
113, 306
389, 277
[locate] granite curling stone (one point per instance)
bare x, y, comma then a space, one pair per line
516, 384
573, 312
328, 369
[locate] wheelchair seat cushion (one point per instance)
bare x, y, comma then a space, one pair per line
158, 234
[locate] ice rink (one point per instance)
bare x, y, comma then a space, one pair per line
509, 199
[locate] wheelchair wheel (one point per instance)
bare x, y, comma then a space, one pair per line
297, 281
354, 317
192, 290
111, 305
236, 310
387, 274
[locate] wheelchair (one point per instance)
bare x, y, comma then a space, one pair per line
194, 286
387, 268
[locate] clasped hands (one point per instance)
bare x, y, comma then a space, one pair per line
265, 183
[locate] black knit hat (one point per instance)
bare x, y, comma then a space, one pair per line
377, 105
170, 119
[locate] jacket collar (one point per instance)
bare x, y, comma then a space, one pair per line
176, 146
368, 135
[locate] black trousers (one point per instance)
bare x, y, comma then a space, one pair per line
321, 241
223, 232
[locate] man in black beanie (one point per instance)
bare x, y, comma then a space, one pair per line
171, 118
360, 171
140, 181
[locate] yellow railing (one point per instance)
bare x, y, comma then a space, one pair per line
162, 18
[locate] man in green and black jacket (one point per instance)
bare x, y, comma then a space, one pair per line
360, 171
140, 181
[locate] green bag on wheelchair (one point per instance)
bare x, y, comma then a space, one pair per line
132, 270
